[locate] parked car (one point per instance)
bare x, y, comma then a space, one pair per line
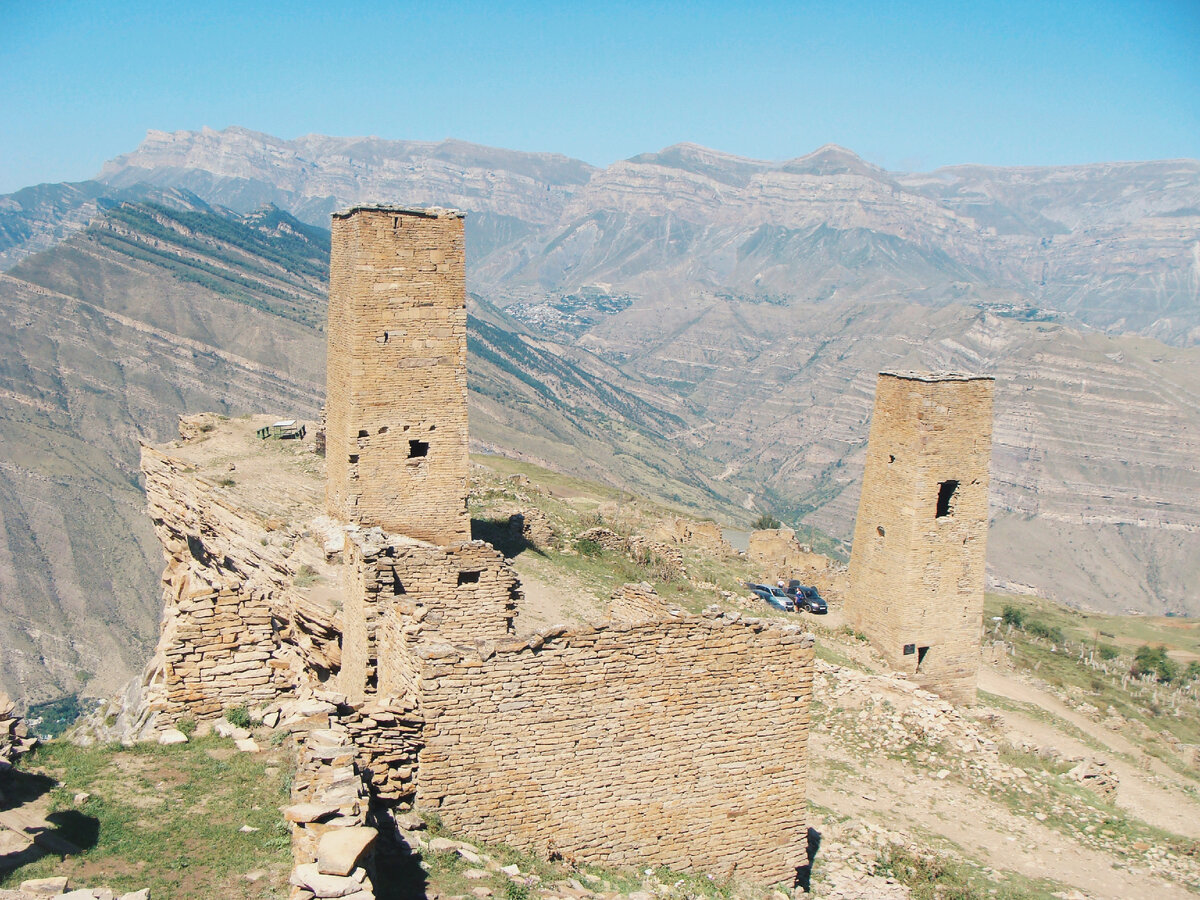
780, 600
759, 590
810, 600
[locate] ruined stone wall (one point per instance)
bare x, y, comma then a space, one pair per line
681, 743
396, 407
454, 594
782, 556
233, 631
704, 536
917, 566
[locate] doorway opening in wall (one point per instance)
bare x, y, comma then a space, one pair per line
945, 500
921, 651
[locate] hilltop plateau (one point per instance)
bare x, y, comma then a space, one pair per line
698, 327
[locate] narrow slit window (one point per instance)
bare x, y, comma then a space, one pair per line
417, 449
921, 653
946, 496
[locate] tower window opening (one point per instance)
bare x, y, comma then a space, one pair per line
921, 652
468, 577
418, 448
353, 458
945, 501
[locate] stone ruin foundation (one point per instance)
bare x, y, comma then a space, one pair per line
917, 565
649, 737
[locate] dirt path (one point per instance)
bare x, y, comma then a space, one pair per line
1152, 793
891, 795
551, 596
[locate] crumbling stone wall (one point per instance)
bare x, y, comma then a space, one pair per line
917, 564
706, 536
679, 742
780, 554
233, 632
454, 594
396, 394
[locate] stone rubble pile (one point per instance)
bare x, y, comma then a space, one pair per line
849, 857
533, 526
895, 713
330, 838
14, 735
1096, 775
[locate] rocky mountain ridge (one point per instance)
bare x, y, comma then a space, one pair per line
1113, 244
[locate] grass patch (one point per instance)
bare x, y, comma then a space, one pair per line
933, 876
166, 818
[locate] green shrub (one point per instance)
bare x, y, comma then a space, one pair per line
1013, 615
588, 547
1154, 661
765, 522
187, 725
238, 715
1192, 672
1040, 629
1107, 651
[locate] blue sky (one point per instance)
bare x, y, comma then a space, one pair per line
907, 85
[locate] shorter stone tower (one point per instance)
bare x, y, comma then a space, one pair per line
396, 430
917, 566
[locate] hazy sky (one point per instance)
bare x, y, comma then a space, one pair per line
906, 85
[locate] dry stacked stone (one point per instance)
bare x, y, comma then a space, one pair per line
14, 736
636, 603
330, 838
621, 743
917, 568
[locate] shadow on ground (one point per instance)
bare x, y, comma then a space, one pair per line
503, 535
398, 873
64, 833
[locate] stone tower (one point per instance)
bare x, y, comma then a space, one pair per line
917, 566
396, 430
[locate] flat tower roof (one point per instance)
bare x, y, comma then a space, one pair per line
428, 212
938, 376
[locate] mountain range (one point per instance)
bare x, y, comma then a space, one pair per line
693, 325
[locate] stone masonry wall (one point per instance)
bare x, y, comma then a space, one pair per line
396, 407
680, 742
454, 594
917, 566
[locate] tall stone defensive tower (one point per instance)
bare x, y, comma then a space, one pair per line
396, 404
917, 566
